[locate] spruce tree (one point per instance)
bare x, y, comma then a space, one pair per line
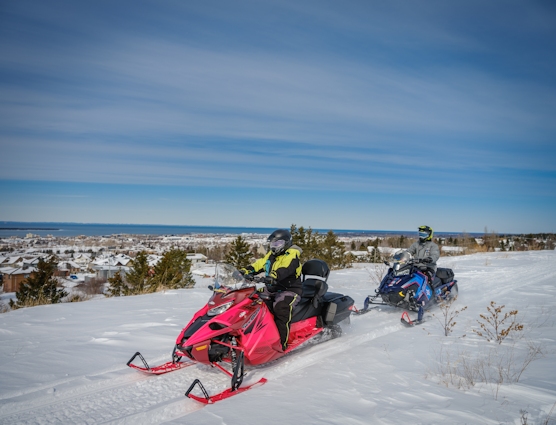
138, 274
310, 242
118, 287
376, 257
239, 254
172, 272
333, 252
40, 287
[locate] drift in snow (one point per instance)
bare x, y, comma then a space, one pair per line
236, 327
407, 287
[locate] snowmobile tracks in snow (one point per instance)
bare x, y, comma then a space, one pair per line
89, 399
122, 396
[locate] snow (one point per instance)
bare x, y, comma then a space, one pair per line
66, 363
452, 249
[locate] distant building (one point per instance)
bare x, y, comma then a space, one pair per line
106, 268
197, 258
65, 268
13, 277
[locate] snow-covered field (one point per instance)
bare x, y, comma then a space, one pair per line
66, 363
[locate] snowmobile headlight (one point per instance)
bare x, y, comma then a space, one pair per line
220, 309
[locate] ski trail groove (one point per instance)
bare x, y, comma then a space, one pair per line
133, 397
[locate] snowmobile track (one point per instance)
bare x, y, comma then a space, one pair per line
133, 397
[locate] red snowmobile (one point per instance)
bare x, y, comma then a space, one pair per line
236, 327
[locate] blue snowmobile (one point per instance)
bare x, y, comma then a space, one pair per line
405, 285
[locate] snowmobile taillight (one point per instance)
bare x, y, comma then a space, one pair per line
215, 311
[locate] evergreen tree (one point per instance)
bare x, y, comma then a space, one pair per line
239, 254
118, 287
333, 252
138, 275
172, 272
40, 287
308, 241
376, 256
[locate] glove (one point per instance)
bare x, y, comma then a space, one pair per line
427, 260
269, 281
263, 293
246, 274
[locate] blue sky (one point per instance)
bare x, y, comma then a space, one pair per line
345, 115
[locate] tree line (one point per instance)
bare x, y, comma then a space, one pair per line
173, 271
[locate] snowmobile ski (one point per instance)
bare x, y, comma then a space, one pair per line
358, 312
366, 305
158, 370
230, 392
406, 320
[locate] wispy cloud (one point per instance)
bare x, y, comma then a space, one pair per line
367, 97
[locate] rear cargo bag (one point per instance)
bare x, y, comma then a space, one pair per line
336, 308
445, 275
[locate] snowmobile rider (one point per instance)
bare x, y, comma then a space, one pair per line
282, 268
426, 252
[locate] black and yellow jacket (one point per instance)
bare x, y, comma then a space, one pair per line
285, 268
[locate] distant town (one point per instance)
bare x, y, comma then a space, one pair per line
90, 260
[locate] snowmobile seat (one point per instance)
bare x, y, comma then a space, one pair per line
313, 290
315, 273
311, 299
316, 267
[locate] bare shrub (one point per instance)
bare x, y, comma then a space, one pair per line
4, 308
498, 326
457, 370
92, 286
548, 418
376, 272
449, 315
495, 366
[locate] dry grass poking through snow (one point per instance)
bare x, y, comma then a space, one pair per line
492, 361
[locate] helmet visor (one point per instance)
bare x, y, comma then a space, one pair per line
423, 234
277, 245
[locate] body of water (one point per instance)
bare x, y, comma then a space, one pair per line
21, 229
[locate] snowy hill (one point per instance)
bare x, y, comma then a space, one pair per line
66, 363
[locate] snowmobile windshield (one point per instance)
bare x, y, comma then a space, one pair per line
229, 278
400, 260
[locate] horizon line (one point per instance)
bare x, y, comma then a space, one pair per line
248, 227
